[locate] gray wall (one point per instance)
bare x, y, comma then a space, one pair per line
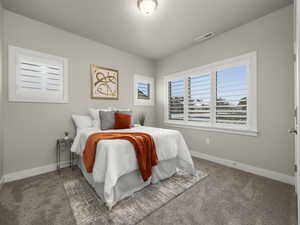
1, 93
272, 37
32, 128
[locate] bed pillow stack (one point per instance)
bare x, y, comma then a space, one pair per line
108, 119
104, 119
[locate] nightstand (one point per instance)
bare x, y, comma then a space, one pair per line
63, 145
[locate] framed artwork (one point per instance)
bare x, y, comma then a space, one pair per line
105, 83
143, 89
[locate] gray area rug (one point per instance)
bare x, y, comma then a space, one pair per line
89, 209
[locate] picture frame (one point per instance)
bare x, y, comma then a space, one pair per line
104, 83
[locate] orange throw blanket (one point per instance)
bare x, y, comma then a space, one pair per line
143, 144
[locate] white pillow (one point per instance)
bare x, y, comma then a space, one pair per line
82, 121
94, 113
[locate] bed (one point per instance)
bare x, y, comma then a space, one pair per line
116, 174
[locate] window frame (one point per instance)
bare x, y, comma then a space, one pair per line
249, 59
13, 53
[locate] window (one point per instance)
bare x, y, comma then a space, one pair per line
37, 77
199, 98
232, 92
220, 96
176, 100
143, 89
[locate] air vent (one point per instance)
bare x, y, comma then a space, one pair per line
204, 37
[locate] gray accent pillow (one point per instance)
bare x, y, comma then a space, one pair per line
107, 119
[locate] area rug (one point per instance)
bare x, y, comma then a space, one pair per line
89, 209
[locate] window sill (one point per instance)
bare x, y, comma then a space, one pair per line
238, 131
13, 99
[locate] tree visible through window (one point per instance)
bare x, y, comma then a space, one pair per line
176, 99
232, 92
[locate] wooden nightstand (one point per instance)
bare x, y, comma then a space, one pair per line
63, 145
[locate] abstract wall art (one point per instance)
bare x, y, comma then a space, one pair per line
105, 83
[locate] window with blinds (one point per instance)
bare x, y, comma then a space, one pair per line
221, 95
199, 98
232, 93
176, 99
36, 77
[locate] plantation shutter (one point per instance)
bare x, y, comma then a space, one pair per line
176, 99
199, 94
232, 96
36, 77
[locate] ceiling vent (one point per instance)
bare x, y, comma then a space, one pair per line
204, 37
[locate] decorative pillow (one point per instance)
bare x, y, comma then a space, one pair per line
127, 112
122, 121
82, 121
107, 119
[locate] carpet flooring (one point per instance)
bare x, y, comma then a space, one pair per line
226, 197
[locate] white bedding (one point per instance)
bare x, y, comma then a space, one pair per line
115, 158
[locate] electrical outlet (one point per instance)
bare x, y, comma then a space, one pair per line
207, 140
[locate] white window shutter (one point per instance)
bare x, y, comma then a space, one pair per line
176, 99
37, 77
219, 96
232, 96
199, 95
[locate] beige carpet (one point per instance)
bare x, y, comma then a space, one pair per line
88, 209
226, 197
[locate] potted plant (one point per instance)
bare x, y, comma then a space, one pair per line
142, 119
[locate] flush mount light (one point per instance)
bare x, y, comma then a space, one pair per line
147, 6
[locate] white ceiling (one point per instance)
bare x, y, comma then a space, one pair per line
120, 24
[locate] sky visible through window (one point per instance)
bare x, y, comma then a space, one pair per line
143, 90
230, 82
177, 88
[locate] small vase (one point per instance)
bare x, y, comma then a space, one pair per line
66, 137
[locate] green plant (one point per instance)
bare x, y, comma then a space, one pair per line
142, 119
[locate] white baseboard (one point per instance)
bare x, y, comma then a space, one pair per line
240, 166
32, 172
247, 168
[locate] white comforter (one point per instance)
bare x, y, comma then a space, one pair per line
115, 158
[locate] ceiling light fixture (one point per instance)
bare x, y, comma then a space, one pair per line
147, 6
